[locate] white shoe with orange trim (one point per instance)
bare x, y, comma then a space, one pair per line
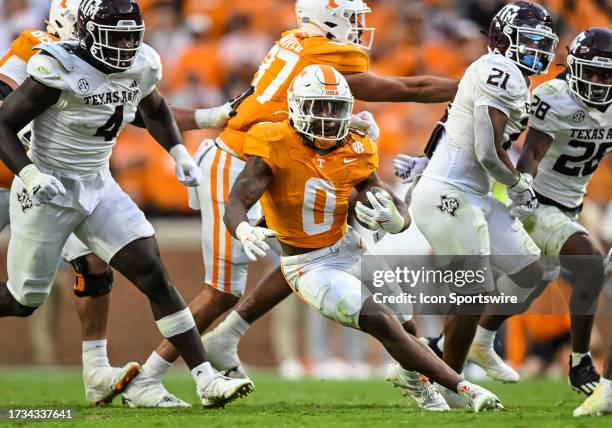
102, 384
418, 387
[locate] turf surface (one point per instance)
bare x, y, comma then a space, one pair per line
276, 403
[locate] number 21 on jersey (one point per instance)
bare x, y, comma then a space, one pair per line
317, 222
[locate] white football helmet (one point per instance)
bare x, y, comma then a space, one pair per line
340, 20
62, 19
320, 105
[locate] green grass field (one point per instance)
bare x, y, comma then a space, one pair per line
276, 403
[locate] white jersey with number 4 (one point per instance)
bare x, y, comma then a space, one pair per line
492, 80
77, 134
582, 136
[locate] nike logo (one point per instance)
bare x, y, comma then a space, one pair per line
349, 160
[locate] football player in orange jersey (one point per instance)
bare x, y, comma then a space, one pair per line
332, 33
94, 277
304, 170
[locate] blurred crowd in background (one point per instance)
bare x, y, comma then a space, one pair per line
211, 49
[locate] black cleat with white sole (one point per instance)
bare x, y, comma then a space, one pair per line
584, 377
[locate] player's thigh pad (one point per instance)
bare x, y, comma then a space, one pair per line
74, 248
5, 197
38, 235
225, 263
512, 249
550, 228
114, 223
453, 221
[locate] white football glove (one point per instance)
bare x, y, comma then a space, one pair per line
215, 117
187, 171
382, 216
523, 197
253, 239
41, 187
408, 167
365, 122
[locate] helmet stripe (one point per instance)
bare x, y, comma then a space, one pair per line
329, 78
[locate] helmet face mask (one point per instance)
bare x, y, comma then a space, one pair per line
111, 32
590, 66
340, 20
523, 32
320, 106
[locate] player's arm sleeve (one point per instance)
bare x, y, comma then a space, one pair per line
544, 117
347, 59
15, 69
259, 143
47, 71
154, 72
372, 149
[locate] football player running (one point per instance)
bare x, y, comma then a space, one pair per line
569, 133
332, 33
304, 170
93, 276
79, 96
451, 203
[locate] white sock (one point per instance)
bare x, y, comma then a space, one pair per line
203, 371
155, 366
441, 343
94, 354
233, 326
606, 385
575, 357
484, 337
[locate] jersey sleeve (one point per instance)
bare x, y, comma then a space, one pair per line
545, 116
498, 84
23, 46
153, 72
260, 141
48, 71
345, 58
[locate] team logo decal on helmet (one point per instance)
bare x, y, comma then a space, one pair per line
524, 33
320, 105
111, 31
590, 66
340, 20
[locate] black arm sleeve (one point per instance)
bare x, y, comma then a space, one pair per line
5, 90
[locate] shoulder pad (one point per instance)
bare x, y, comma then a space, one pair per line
62, 52
272, 131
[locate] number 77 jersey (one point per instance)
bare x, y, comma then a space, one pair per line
287, 58
581, 135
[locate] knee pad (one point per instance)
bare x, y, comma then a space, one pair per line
90, 284
510, 288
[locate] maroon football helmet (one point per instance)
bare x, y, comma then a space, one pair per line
111, 32
524, 33
590, 66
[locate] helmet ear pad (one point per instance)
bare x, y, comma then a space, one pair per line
498, 39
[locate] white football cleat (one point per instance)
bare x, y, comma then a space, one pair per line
145, 391
102, 384
223, 355
418, 387
218, 390
496, 368
478, 398
452, 398
598, 404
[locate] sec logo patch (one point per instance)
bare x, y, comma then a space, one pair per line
83, 86
358, 147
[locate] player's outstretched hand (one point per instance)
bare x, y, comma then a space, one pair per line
41, 187
382, 216
187, 171
253, 239
408, 167
215, 117
365, 122
523, 197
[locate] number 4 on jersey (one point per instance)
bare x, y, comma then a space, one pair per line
112, 126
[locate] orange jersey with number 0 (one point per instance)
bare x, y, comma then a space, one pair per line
289, 56
22, 50
307, 201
